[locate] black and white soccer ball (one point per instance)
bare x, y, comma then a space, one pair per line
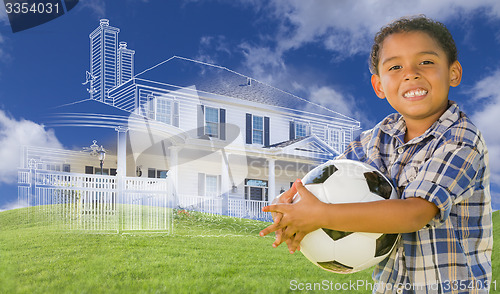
347, 181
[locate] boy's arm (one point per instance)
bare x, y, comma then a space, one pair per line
309, 214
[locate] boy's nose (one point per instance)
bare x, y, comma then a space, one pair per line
412, 77
412, 74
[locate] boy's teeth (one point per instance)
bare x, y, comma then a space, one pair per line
414, 93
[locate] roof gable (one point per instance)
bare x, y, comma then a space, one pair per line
310, 146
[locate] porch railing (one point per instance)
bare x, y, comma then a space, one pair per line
251, 209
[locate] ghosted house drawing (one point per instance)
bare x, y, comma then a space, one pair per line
224, 141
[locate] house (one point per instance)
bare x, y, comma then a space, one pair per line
222, 139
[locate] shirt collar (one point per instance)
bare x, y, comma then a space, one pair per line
395, 126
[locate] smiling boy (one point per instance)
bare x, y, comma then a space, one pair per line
436, 157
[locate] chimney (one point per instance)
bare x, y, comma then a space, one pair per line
104, 22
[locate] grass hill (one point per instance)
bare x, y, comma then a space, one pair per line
205, 254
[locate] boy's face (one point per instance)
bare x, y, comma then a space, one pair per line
415, 77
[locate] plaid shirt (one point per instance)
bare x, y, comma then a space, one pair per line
448, 166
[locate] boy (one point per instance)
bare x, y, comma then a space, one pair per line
435, 156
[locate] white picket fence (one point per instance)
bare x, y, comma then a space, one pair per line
241, 208
251, 209
109, 203
98, 202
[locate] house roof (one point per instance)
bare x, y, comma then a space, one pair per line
90, 106
222, 81
286, 143
310, 145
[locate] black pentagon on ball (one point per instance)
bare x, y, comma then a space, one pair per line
335, 266
384, 244
378, 184
319, 174
336, 235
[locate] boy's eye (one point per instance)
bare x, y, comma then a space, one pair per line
395, 67
427, 62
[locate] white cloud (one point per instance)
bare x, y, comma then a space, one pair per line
487, 100
98, 7
344, 28
4, 19
332, 99
3, 55
13, 205
264, 64
347, 27
14, 134
213, 48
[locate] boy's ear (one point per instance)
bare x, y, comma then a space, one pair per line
455, 73
377, 86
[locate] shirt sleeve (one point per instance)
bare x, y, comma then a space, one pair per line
447, 178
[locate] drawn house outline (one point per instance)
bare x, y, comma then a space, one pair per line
213, 132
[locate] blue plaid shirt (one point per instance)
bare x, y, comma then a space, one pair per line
448, 166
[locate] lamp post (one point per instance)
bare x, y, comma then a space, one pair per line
97, 151
102, 154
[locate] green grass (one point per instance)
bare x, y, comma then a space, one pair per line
204, 255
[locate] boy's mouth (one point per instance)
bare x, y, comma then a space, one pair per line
415, 93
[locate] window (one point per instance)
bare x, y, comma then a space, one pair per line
149, 107
66, 168
105, 171
258, 130
211, 186
89, 170
53, 167
161, 174
157, 173
164, 110
300, 130
211, 122
334, 138
208, 185
256, 190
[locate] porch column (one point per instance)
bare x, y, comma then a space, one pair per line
174, 168
121, 168
173, 177
225, 183
271, 183
121, 154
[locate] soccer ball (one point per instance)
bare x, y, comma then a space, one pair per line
347, 181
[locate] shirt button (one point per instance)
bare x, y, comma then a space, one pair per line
400, 150
411, 179
382, 169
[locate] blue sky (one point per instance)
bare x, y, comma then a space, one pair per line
317, 50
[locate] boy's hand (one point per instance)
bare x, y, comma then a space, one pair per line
285, 198
294, 221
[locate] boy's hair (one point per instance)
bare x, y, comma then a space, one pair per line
434, 29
